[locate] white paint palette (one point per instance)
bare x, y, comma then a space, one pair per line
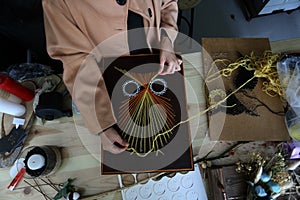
187, 186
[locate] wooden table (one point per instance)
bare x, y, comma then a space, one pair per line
84, 165
81, 150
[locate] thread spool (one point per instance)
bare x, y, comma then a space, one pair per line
35, 162
42, 161
10, 85
11, 108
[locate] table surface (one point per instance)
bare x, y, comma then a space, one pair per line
81, 150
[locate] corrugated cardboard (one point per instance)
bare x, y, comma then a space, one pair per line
252, 124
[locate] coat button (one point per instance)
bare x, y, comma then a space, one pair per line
121, 2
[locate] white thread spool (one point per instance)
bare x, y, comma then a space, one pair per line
35, 162
41, 161
11, 108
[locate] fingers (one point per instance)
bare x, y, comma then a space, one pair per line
120, 142
169, 67
161, 66
179, 61
112, 142
116, 150
169, 64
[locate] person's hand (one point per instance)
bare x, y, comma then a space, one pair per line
169, 63
112, 142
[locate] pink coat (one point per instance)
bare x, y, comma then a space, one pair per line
75, 27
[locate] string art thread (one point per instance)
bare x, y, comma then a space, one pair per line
263, 66
145, 113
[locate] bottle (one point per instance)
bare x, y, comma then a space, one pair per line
11, 108
10, 85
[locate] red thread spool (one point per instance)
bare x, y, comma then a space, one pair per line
10, 85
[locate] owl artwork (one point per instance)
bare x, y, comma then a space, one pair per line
149, 108
146, 117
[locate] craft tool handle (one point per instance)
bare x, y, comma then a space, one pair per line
16, 180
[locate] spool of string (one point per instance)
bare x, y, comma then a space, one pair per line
42, 161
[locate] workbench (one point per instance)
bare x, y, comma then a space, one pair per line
83, 163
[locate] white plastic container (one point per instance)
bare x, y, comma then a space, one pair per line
11, 108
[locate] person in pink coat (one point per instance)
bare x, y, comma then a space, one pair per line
75, 27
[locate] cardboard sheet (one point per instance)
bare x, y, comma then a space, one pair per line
249, 114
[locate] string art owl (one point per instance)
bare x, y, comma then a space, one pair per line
146, 114
145, 105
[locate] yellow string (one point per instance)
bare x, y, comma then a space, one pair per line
132, 77
263, 66
189, 119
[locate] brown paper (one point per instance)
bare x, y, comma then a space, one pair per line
248, 115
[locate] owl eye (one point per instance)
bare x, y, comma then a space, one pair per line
158, 86
130, 88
